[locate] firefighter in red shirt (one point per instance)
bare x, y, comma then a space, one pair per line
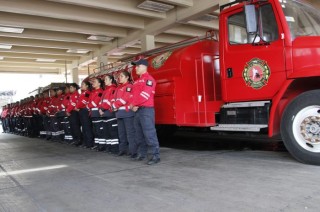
125, 115
64, 119
85, 121
110, 125
93, 104
54, 133
73, 114
45, 133
37, 119
143, 105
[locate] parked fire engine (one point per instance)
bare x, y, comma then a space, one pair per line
261, 77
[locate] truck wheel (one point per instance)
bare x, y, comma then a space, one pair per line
300, 127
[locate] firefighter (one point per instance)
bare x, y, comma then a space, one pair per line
143, 106
38, 123
52, 110
97, 120
125, 115
29, 122
43, 107
110, 125
86, 124
65, 122
73, 114
3, 117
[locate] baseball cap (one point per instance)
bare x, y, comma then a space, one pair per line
140, 62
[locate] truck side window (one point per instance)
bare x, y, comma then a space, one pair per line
267, 27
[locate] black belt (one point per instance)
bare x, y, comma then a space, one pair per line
144, 107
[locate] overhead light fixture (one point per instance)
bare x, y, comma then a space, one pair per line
208, 17
1, 58
78, 51
100, 38
11, 29
46, 60
5, 46
155, 6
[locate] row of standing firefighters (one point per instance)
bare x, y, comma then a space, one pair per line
108, 115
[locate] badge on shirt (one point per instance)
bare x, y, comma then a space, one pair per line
100, 94
149, 82
128, 89
87, 95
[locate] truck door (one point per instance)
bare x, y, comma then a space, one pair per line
252, 66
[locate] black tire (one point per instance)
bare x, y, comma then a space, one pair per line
294, 117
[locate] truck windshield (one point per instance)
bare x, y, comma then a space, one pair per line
303, 20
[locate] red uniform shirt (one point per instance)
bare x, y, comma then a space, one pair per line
123, 96
73, 101
44, 105
95, 98
108, 97
144, 90
65, 102
54, 105
83, 99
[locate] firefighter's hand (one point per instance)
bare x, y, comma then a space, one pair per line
134, 108
101, 112
68, 114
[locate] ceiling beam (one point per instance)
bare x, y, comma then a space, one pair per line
169, 38
67, 12
34, 22
37, 50
53, 35
35, 56
128, 7
35, 65
29, 70
186, 30
32, 60
214, 24
47, 44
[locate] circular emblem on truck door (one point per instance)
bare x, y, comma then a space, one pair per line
158, 61
256, 73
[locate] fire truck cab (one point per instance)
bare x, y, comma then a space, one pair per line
270, 68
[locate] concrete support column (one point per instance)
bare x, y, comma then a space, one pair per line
147, 43
75, 75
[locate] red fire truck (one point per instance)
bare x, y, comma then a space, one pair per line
261, 76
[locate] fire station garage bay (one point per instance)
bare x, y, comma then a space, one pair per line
159, 105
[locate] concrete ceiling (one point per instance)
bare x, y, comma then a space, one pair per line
52, 27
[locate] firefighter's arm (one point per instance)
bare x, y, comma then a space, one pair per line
146, 91
124, 99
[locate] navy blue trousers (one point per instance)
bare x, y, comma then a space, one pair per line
146, 134
127, 135
87, 132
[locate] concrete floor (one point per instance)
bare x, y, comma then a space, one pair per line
37, 175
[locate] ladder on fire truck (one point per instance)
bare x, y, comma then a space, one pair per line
211, 34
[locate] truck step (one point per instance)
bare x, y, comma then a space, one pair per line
246, 104
239, 127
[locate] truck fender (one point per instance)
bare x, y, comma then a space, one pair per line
275, 112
